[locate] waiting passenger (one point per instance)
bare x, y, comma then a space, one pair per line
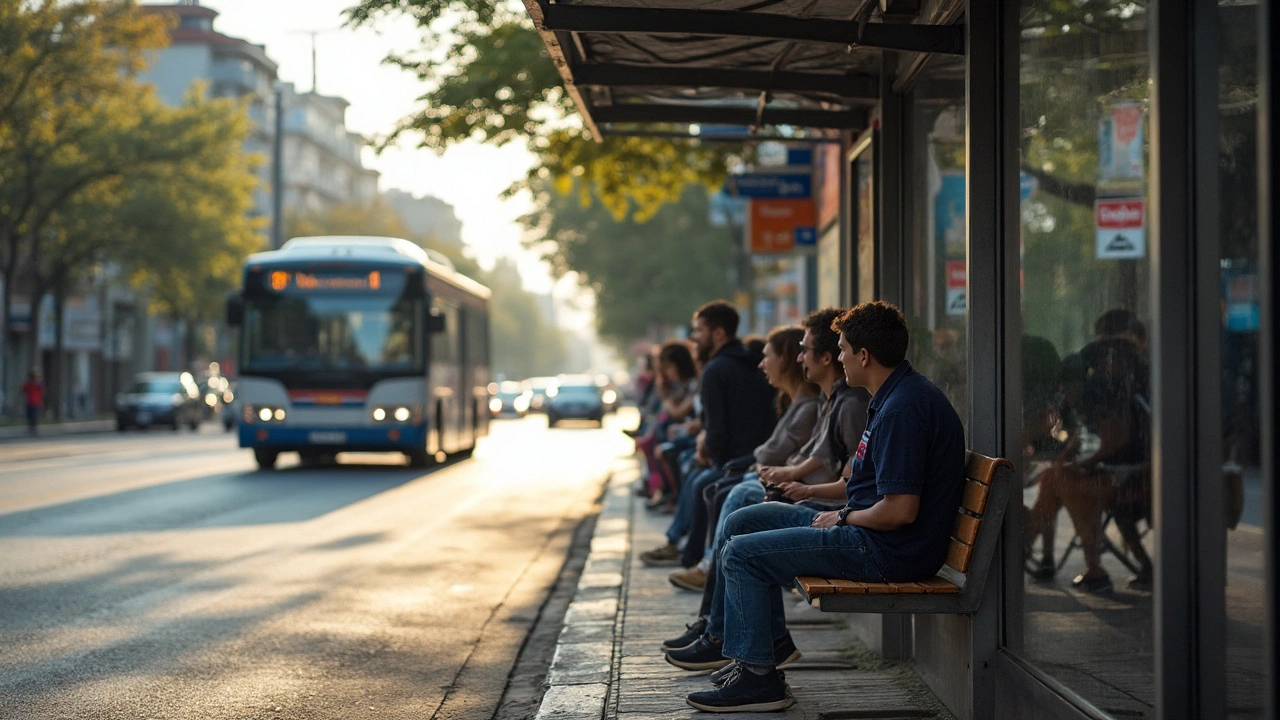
737, 410
798, 408
905, 484
841, 422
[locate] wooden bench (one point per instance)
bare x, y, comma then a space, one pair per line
957, 587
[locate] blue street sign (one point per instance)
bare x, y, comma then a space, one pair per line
771, 185
806, 236
801, 156
1027, 185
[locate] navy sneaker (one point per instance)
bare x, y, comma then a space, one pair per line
784, 653
745, 691
702, 654
694, 631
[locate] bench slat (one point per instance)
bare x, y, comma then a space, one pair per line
981, 468
958, 556
966, 529
814, 585
848, 587
975, 497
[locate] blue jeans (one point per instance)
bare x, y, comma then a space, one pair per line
683, 519
748, 492
767, 546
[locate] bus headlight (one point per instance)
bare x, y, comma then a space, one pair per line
263, 413
379, 414
402, 414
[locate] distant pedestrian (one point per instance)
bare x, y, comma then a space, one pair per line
33, 391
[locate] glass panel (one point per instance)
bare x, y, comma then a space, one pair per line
1238, 225
865, 196
1086, 604
934, 299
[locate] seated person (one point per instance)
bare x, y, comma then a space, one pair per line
906, 480
1105, 387
737, 411
798, 408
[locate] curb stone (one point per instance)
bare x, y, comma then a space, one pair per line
582, 671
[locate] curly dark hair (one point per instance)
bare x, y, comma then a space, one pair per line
819, 324
719, 314
879, 328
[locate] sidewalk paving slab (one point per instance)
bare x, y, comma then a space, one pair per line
609, 665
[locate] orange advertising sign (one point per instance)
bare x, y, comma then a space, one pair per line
775, 226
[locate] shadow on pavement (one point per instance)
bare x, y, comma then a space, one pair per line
221, 500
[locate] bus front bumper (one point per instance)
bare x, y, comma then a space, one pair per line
384, 438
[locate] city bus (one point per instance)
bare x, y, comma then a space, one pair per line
364, 344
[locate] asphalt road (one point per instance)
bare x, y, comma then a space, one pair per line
159, 575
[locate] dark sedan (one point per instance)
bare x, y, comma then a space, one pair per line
160, 398
574, 399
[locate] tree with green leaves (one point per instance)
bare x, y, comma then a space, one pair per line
68, 120
647, 276
489, 78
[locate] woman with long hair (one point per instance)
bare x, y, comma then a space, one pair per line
677, 381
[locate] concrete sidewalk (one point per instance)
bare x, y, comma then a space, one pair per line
79, 427
608, 663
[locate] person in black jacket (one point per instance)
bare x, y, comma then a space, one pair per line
738, 413
737, 401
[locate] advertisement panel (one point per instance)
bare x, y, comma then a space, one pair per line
1121, 224
775, 226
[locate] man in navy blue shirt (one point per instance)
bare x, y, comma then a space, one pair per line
907, 476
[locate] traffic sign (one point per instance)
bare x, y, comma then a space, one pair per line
771, 185
775, 226
1121, 227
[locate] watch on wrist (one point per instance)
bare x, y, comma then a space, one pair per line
841, 514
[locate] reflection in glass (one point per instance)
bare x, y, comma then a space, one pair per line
306, 333
934, 300
1241, 478
1086, 422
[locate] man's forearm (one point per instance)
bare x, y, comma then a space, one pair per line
886, 515
836, 490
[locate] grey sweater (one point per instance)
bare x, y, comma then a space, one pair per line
794, 428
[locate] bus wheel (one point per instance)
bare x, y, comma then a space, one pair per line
418, 458
266, 458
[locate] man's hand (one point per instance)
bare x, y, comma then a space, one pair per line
776, 475
795, 491
825, 520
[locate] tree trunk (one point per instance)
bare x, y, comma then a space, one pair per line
6, 314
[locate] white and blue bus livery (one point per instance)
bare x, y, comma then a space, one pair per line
360, 344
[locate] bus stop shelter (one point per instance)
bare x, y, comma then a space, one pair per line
1009, 174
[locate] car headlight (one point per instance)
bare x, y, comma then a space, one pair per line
495, 405
610, 397
210, 399
521, 404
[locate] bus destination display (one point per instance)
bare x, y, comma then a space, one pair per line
302, 281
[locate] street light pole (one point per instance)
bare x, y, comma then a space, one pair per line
277, 173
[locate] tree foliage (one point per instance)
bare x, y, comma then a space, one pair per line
647, 277
490, 78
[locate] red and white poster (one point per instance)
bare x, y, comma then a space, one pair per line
1122, 227
957, 279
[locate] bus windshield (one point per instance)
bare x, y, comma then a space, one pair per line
304, 333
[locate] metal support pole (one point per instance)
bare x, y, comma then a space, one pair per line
1269, 367
277, 173
1186, 455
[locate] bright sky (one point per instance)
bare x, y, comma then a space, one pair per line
349, 64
